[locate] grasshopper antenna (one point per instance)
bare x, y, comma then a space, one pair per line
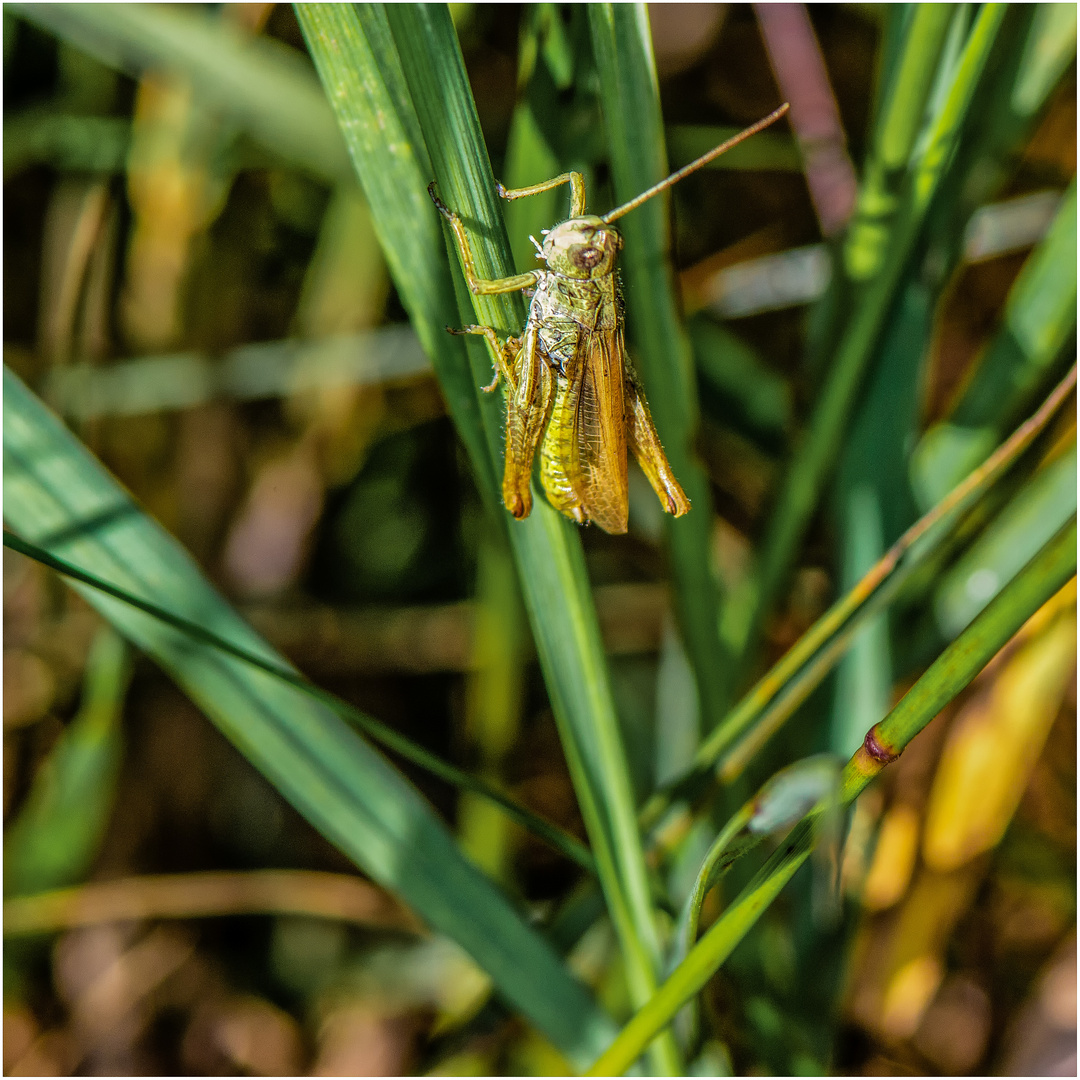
686, 170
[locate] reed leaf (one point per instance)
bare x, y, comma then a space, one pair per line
59, 498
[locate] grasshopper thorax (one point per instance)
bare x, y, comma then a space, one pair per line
583, 247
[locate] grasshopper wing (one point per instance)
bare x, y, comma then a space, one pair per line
583, 464
601, 433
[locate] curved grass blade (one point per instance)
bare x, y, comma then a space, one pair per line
208, 894
631, 102
561, 841
787, 684
58, 497
953, 670
807, 786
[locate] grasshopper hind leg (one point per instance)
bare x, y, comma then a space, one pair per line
528, 409
644, 442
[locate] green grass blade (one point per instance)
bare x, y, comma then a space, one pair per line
365, 78
946, 677
58, 497
63, 820
259, 84
631, 101
64, 142
878, 261
373, 729
546, 549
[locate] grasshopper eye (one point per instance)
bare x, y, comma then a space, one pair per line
586, 257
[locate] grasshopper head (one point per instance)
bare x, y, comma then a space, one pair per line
583, 247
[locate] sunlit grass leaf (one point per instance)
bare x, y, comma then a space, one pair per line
358, 64
58, 496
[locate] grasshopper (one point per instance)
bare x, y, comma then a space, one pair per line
571, 390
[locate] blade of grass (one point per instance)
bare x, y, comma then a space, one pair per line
58, 497
259, 84
561, 841
365, 79
885, 741
805, 664
250, 372
64, 142
631, 102
878, 263
547, 551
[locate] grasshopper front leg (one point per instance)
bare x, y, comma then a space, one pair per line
504, 354
478, 285
574, 179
